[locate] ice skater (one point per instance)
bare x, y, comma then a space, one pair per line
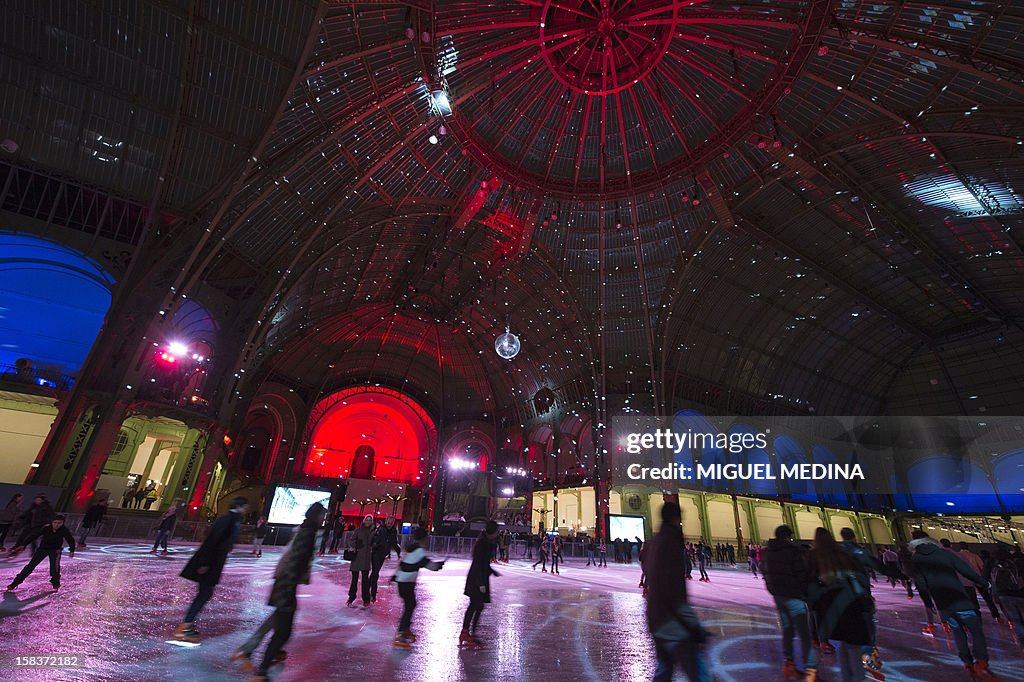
259, 533
8, 516
165, 529
602, 554
556, 553
542, 554
360, 542
415, 559
51, 538
478, 585
207, 564
678, 634
702, 561
92, 520
385, 539
785, 575
292, 570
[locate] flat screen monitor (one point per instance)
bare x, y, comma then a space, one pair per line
626, 527
289, 505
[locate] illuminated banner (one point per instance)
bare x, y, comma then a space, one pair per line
951, 464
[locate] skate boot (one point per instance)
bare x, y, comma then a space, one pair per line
789, 671
11, 588
982, 673
281, 657
929, 630
470, 641
969, 669
245, 659
876, 659
409, 635
946, 628
872, 671
479, 643
400, 642
187, 632
164, 553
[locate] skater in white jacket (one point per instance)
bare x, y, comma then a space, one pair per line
415, 558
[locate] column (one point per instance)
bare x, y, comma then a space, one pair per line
185, 466
702, 513
203, 471
69, 434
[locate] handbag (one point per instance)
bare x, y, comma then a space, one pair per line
349, 555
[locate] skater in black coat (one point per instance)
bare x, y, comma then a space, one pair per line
384, 539
34, 518
292, 570
51, 543
478, 584
91, 523
206, 565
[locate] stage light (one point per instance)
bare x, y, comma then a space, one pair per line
508, 491
432, 139
177, 348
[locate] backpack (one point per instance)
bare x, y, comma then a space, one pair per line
1006, 579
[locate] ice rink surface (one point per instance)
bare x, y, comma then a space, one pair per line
118, 606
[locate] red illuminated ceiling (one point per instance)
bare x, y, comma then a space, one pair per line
374, 434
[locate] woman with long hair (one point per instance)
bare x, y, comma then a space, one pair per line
839, 597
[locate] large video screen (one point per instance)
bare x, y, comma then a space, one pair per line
626, 527
290, 504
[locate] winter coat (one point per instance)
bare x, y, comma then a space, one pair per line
11, 511
384, 540
842, 607
867, 562
972, 560
785, 569
478, 580
415, 559
938, 571
51, 540
168, 521
38, 515
360, 541
260, 531
293, 568
213, 553
94, 517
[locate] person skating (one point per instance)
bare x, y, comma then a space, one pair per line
8, 516
542, 554
591, 548
165, 529
602, 554
784, 567
753, 559
360, 542
556, 553
939, 572
35, 517
259, 534
869, 565
292, 570
385, 539
92, 520
1008, 589
702, 561
207, 564
679, 637
52, 537
838, 595
478, 584
405, 577
978, 564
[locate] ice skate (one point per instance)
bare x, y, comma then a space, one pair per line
982, 673
409, 635
469, 640
929, 630
872, 670
789, 671
244, 659
164, 553
186, 632
401, 642
11, 588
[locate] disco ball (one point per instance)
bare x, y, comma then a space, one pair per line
507, 345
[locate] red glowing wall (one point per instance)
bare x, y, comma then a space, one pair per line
377, 435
